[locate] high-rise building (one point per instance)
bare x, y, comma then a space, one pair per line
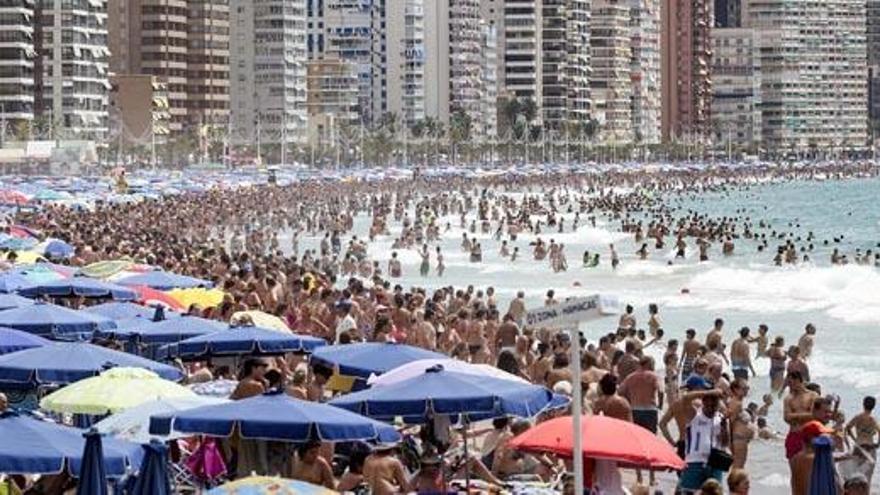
736, 90
611, 55
488, 123
185, 44
267, 71
332, 99
343, 30
686, 62
521, 49
577, 67
873, 48
645, 70
813, 74
398, 60
17, 61
71, 83
554, 64
728, 13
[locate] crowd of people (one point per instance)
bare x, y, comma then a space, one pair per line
697, 398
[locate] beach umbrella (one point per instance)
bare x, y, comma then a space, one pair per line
44, 271
29, 257
161, 280
267, 485
603, 438
133, 424
79, 287
162, 332
92, 475
24, 232
11, 243
370, 358
120, 311
33, 446
243, 340
206, 298
11, 301
54, 248
153, 476
105, 269
12, 197
437, 391
220, 388
114, 390
822, 478
153, 297
11, 281
16, 340
67, 362
275, 416
415, 368
260, 319
50, 320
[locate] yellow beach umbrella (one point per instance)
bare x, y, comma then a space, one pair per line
260, 319
258, 485
112, 391
107, 268
206, 298
28, 257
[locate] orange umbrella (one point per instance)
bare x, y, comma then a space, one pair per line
603, 438
152, 297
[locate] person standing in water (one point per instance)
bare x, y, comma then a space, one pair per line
440, 266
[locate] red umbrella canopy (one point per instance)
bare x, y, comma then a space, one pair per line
602, 438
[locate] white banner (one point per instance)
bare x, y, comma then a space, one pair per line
573, 311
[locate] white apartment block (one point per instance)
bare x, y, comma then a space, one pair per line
16, 61
813, 73
487, 126
268, 71
611, 56
71, 71
645, 70
736, 90
399, 60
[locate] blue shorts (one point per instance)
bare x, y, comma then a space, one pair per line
694, 475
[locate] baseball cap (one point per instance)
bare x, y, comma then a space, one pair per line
813, 429
697, 382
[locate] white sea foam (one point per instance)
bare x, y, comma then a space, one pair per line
849, 293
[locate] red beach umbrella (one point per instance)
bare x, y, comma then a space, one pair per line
150, 297
603, 438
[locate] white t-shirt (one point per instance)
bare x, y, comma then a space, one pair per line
701, 435
346, 324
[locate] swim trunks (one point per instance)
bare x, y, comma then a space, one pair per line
794, 443
646, 418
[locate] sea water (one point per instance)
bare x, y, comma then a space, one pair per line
745, 289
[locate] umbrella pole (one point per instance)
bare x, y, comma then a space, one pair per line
467, 460
577, 404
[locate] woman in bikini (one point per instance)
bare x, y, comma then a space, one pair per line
741, 429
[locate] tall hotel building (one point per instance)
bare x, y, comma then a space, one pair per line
17, 60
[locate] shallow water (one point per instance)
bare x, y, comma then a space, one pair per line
745, 289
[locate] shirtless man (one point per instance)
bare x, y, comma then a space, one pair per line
517, 308
762, 340
797, 409
644, 392
690, 353
715, 336
609, 403
740, 356
508, 331
385, 473
802, 462
805, 344
311, 467
627, 320
475, 336
253, 383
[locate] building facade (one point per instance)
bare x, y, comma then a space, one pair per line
399, 60
268, 72
611, 86
736, 90
332, 100
645, 70
16, 63
71, 70
813, 74
873, 47
685, 75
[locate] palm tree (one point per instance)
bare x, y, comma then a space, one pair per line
460, 125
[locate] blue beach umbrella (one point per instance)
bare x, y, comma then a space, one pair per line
33, 446
822, 478
163, 332
67, 362
161, 280
16, 340
371, 358
153, 475
79, 286
242, 340
445, 392
54, 248
275, 416
121, 311
53, 321
92, 474
11, 301
11, 281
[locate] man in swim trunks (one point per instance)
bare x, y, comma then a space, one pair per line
740, 356
690, 353
797, 409
644, 392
